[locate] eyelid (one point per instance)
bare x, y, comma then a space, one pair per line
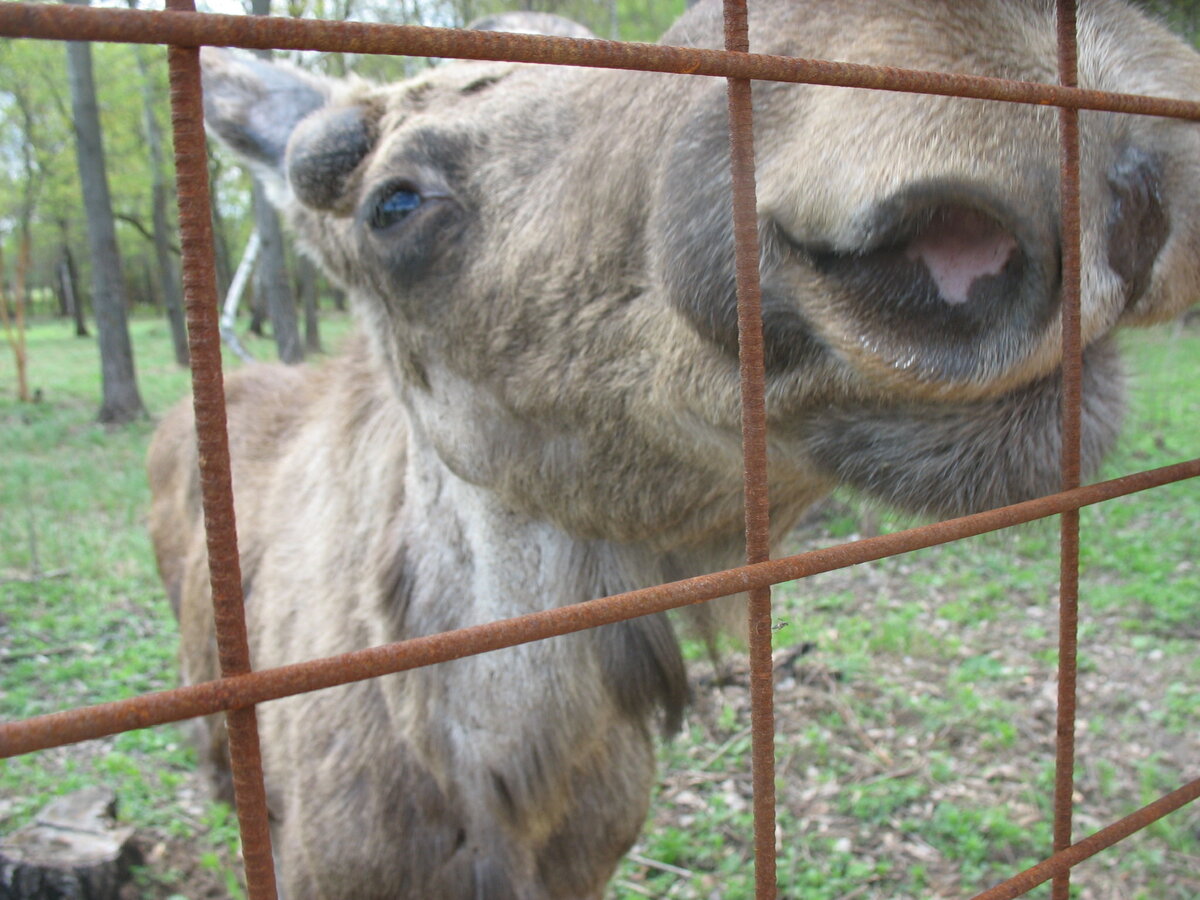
394, 208
375, 197
385, 190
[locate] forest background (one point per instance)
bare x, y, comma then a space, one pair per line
87, 195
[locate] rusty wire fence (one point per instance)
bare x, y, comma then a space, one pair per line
184, 30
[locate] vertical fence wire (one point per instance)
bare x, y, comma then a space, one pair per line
1072, 368
754, 452
216, 483
1062, 861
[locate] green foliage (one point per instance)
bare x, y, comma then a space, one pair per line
636, 20
83, 618
39, 184
33, 74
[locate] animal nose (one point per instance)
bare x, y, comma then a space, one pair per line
948, 284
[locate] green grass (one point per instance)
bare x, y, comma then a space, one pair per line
939, 659
946, 652
83, 618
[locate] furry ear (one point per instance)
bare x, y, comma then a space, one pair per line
253, 106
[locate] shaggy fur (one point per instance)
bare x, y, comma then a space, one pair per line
543, 405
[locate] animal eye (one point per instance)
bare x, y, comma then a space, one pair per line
394, 207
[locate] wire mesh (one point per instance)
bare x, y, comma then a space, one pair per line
216, 480
240, 689
1072, 378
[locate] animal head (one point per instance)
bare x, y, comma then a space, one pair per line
543, 257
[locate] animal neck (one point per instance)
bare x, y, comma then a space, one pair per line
462, 542
511, 562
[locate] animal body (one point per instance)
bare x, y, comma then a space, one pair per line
542, 406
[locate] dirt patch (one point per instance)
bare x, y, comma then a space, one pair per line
930, 756
894, 762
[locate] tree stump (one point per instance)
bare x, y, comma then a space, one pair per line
73, 850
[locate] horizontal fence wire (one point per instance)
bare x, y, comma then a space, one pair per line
263, 32
240, 689
56, 729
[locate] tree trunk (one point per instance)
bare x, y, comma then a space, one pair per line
307, 283
14, 324
73, 849
271, 274
168, 273
66, 289
70, 279
148, 294
121, 400
271, 280
60, 291
220, 237
258, 310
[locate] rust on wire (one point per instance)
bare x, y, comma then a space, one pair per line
56, 729
1062, 861
1072, 378
208, 398
56, 22
756, 499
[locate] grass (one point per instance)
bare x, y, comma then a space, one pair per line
913, 741
926, 753
83, 618
89, 622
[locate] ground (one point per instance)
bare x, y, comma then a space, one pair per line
918, 769
915, 695
915, 739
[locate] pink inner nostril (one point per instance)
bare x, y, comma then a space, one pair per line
960, 246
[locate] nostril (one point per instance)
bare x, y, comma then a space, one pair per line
959, 247
1137, 223
949, 284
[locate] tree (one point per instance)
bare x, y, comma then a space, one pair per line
308, 281
14, 323
271, 274
271, 281
68, 283
121, 400
224, 269
169, 283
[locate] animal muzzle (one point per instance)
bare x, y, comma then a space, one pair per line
952, 288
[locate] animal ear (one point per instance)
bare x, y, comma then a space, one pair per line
253, 106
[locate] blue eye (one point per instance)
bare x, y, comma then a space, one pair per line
394, 207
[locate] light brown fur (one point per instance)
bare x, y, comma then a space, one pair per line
544, 405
